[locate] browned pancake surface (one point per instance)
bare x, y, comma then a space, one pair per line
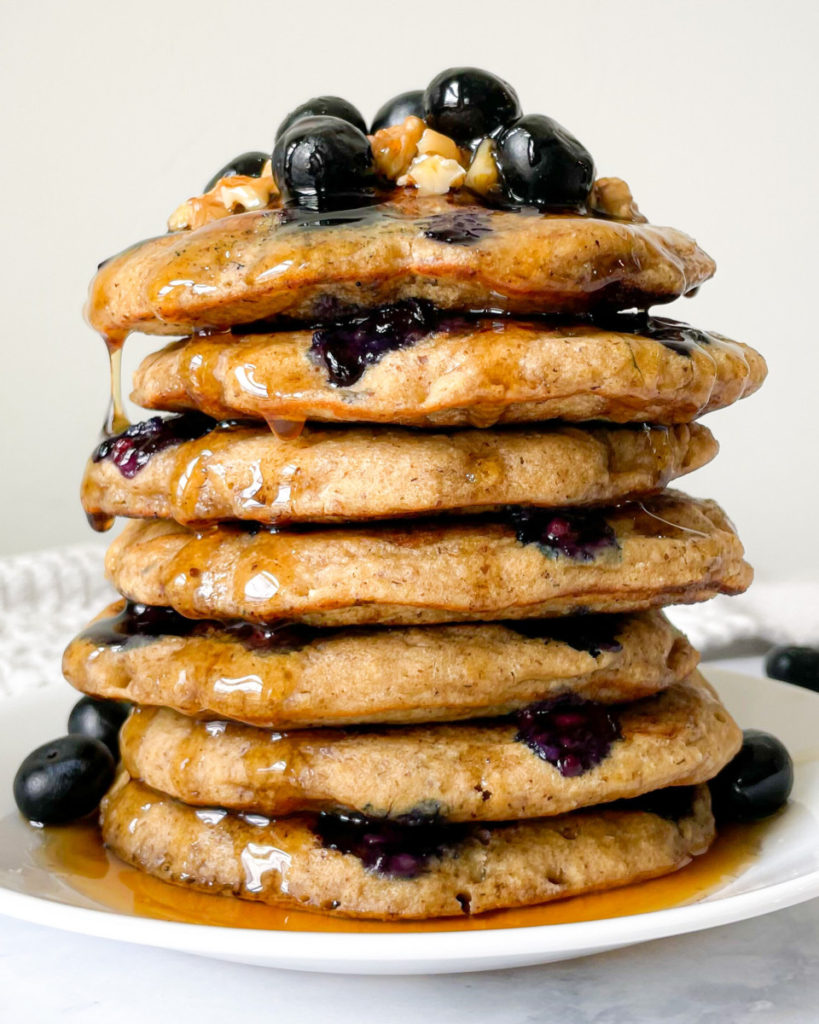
668, 549
472, 374
338, 475
252, 266
415, 674
284, 863
471, 771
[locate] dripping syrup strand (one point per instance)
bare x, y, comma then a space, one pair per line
116, 420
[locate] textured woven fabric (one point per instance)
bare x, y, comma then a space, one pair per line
45, 597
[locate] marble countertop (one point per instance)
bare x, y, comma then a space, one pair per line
763, 970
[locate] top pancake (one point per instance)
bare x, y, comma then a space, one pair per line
263, 264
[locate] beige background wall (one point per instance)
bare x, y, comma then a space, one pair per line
112, 113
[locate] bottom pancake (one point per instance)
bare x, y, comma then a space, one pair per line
357, 867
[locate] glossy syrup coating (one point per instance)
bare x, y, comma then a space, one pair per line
332, 265
518, 371
248, 472
285, 863
669, 549
291, 677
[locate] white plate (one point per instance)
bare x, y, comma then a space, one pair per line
786, 871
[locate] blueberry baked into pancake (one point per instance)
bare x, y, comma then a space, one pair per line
391, 641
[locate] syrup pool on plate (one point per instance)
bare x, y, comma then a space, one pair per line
74, 856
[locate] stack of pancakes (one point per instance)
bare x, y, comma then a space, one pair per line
391, 623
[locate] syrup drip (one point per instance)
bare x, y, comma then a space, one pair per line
116, 421
77, 863
286, 430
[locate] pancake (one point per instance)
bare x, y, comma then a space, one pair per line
517, 564
296, 677
460, 373
305, 265
550, 759
311, 864
242, 472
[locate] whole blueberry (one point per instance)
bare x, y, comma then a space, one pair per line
756, 783
398, 109
249, 164
99, 719
468, 104
324, 163
543, 165
63, 780
321, 106
798, 665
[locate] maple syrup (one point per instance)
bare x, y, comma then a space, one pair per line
116, 421
74, 856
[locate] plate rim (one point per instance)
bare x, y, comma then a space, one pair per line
421, 951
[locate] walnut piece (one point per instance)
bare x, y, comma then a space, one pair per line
482, 176
612, 197
233, 194
433, 175
395, 147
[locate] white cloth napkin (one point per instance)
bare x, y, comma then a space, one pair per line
47, 596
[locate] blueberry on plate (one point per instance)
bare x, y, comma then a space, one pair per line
249, 164
99, 719
398, 109
543, 165
321, 106
468, 104
324, 163
756, 783
799, 665
63, 780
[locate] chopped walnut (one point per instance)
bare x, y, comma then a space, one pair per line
433, 175
435, 144
612, 197
233, 194
395, 147
482, 176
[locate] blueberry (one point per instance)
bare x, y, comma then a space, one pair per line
324, 163
468, 104
132, 449
798, 665
756, 783
581, 534
99, 719
543, 165
347, 347
321, 106
398, 109
570, 732
249, 164
400, 848
63, 780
